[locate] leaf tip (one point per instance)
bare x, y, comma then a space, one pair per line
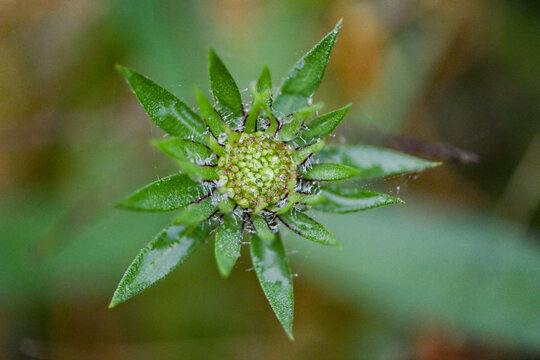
123, 70
213, 58
223, 272
118, 204
198, 95
335, 31
114, 302
290, 334
117, 299
430, 164
354, 171
334, 241
157, 143
346, 108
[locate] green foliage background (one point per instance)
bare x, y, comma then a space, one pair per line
456, 269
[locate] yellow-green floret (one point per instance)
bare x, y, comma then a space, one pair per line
256, 171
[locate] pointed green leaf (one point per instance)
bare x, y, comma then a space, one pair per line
197, 212
156, 260
227, 246
264, 83
227, 205
306, 75
330, 172
274, 123
211, 117
373, 162
308, 199
253, 115
186, 150
274, 274
226, 94
166, 110
216, 147
306, 227
300, 155
292, 124
320, 127
261, 96
263, 230
199, 172
346, 200
169, 193
291, 200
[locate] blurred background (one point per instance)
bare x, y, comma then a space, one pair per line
453, 274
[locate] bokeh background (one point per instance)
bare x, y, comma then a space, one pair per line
453, 274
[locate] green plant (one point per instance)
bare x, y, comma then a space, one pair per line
244, 172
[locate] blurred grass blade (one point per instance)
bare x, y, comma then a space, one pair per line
306, 227
306, 75
345, 200
166, 194
197, 212
163, 254
321, 127
225, 91
186, 150
330, 172
463, 270
166, 110
272, 267
227, 245
211, 117
371, 161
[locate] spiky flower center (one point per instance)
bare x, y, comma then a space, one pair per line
256, 171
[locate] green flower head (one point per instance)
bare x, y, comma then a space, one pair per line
245, 171
257, 171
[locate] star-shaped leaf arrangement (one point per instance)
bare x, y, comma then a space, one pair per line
247, 171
